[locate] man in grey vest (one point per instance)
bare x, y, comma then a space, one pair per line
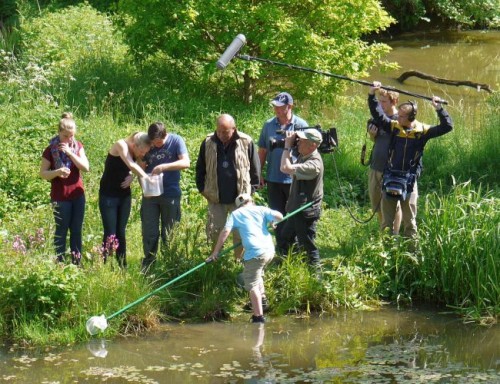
307, 186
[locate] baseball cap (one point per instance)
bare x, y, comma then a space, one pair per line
283, 98
310, 134
242, 199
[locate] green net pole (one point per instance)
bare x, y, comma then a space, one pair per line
222, 253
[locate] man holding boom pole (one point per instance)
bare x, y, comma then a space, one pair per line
409, 137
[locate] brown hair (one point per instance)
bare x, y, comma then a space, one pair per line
157, 130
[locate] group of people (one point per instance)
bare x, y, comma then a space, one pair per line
396, 160
229, 168
141, 154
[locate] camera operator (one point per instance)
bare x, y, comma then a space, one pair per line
409, 139
278, 183
307, 186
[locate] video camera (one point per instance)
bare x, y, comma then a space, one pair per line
328, 143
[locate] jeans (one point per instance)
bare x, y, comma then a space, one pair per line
277, 196
305, 230
69, 216
115, 212
158, 216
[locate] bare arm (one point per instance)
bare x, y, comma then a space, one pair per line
121, 148
80, 160
49, 174
220, 242
177, 165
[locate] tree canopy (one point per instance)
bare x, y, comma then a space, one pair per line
325, 35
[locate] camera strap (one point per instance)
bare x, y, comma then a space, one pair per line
363, 153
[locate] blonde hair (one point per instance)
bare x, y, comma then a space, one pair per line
67, 123
391, 95
140, 139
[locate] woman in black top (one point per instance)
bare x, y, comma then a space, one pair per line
114, 193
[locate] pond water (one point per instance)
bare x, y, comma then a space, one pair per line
465, 56
383, 346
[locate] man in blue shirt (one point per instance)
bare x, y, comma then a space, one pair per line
252, 222
278, 183
168, 156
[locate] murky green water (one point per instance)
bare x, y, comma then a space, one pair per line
472, 56
385, 346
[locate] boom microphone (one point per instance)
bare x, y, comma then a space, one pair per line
231, 51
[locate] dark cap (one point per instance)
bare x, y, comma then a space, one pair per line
283, 98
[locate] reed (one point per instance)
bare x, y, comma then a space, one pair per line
460, 250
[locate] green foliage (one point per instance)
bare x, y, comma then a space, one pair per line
76, 55
7, 10
470, 13
33, 287
458, 260
465, 13
100, 5
9, 40
461, 250
198, 31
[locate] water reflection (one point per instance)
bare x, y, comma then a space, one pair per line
97, 347
386, 346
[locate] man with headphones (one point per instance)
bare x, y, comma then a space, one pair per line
409, 138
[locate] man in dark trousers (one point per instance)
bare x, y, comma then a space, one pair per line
307, 186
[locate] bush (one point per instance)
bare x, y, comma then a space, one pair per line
32, 286
79, 55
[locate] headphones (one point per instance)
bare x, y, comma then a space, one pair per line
413, 112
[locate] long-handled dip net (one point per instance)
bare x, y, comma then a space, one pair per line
98, 324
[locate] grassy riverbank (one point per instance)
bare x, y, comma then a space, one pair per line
457, 264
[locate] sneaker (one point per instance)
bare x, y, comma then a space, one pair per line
258, 319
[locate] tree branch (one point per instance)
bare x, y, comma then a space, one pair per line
440, 80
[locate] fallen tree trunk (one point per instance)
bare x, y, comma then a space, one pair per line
440, 80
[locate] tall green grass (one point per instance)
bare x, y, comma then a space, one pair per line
461, 251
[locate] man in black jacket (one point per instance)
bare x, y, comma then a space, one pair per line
409, 138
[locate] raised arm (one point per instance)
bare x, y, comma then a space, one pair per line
79, 159
445, 122
380, 119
